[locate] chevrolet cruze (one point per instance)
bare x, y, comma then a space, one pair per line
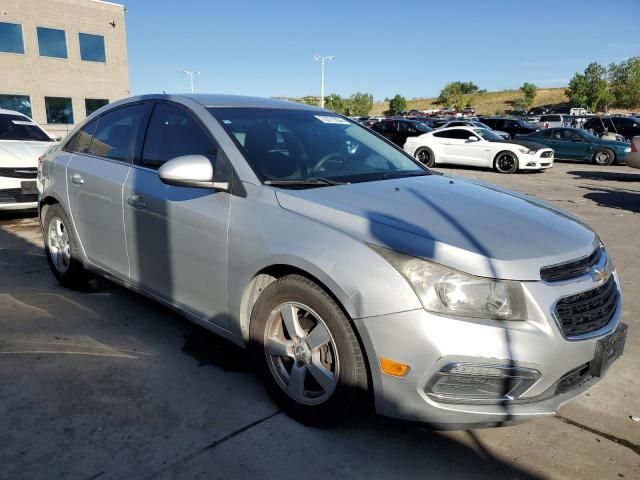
345, 267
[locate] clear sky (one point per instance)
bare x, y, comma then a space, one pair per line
411, 47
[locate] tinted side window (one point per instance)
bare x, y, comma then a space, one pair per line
446, 134
81, 141
460, 134
407, 127
116, 132
546, 133
174, 132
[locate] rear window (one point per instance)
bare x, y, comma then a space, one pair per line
18, 127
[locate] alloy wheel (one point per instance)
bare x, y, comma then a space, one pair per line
506, 162
58, 243
301, 353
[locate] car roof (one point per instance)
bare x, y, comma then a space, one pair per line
227, 101
10, 112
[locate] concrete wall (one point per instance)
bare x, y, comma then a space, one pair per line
36, 76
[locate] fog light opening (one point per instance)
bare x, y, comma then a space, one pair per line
393, 367
475, 383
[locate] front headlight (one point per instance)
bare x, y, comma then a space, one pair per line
627, 150
451, 292
527, 151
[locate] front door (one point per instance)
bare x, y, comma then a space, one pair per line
177, 236
96, 173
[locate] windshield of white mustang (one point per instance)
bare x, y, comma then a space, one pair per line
303, 146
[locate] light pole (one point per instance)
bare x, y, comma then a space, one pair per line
320, 59
191, 74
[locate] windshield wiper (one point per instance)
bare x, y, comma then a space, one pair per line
404, 174
304, 182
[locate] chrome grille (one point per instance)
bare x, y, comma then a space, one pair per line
572, 269
26, 172
587, 311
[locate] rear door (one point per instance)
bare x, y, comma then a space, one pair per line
96, 174
177, 236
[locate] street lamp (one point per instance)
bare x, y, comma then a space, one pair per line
191, 74
320, 59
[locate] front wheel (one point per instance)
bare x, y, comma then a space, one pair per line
306, 351
425, 156
603, 157
506, 162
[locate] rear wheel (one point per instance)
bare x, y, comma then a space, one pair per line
603, 157
306, 351
506, 162
62, 249
425, 156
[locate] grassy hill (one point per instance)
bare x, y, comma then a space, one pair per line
486, 103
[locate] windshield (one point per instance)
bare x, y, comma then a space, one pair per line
298, 145
18, 127
488, 135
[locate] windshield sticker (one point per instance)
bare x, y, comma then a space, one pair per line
329, 119
22, 122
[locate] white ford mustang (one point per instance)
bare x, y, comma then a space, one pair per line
478, 147
22, 141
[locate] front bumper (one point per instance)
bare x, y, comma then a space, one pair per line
535, 161
14, 197
428, 343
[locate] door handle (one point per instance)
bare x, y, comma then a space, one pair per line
77, 179
136, 202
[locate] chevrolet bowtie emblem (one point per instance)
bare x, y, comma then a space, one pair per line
599, 275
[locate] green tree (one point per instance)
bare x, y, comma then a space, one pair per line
458, 94
360, 104
310, 100
625, 83
396, 105
529, 90
335, 102
590, 89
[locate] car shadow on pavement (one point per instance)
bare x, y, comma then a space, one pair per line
631, 176
139, 403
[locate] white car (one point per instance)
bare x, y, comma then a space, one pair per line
478, 147
22, 142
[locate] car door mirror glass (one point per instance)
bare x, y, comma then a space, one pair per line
190, 171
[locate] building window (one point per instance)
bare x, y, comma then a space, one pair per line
52, 42
18, 103
92, 48
11, 38
59, 110
93, 104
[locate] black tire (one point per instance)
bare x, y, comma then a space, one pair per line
425, 156
73, 275
603, 157
351, 378
506, 162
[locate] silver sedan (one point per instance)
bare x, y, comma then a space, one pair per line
343, 265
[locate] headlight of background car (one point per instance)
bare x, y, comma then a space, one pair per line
527, 151
448, 291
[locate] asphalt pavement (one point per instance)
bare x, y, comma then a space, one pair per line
107, 384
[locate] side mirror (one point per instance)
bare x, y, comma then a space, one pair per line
57, 138
473, 139
190, 171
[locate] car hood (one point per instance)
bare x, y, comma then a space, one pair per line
523, 143
18, 153
481, 230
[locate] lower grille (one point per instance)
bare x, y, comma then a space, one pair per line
574, 379
546, 154
587, 311
15, 195
26, 172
